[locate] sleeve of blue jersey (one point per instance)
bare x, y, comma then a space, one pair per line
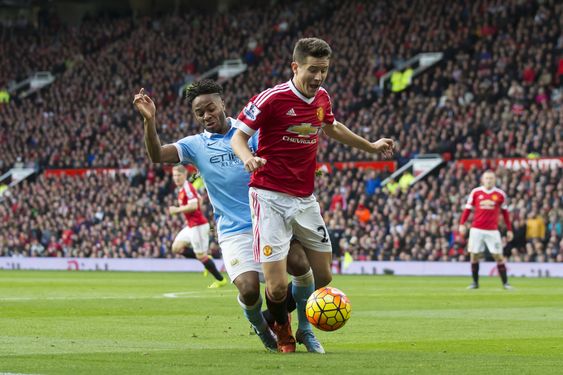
253, 141
187, 149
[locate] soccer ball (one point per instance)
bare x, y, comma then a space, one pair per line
328, 309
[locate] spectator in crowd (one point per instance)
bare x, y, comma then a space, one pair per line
535, 227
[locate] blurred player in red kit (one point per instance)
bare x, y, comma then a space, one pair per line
488, 202
196, 231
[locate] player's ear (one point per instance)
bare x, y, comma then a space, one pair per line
294, 66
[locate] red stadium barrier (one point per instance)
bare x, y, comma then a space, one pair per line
85, 171
390, 166
512, 163
89, 171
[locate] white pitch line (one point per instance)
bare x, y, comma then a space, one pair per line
193, 294
7, 299
181, 294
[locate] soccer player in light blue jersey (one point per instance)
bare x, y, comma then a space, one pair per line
226, 182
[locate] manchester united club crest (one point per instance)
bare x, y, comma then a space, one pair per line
495, 197
267, 250
320, 114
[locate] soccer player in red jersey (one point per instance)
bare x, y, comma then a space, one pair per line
487, 201
196, 231
290, 117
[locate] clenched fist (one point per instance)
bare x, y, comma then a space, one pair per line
385, 147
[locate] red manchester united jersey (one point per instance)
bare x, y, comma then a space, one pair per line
289, 125
487, 204
187, 193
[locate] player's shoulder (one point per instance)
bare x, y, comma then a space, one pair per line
271, 94
192, 139
499, 191
324, 92
478, 189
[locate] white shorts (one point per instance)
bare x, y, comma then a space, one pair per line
237, 255
279, 217
478, 238
197, 236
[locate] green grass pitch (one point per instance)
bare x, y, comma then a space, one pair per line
126, 323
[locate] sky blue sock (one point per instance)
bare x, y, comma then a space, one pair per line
303, 287
254, 315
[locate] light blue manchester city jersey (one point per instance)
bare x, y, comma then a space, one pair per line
224, 176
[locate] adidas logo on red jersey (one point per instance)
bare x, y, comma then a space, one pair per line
291, 112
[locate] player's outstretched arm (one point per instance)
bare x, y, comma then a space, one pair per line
187, 208
239, 143
385, 147
157, 153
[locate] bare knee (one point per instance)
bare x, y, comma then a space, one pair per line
178, 247
322, 271
248, 288
297, 261
322, 279
202, 257
275, 274
277, 291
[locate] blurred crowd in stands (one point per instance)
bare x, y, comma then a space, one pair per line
420, 222
125, 215
497, 93
114, 215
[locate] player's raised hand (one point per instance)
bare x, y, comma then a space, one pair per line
144, 105
385, 147
173, 210
254, 163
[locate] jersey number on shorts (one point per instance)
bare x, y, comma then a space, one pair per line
323, 229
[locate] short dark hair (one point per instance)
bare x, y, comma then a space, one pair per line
203, 87
314, 47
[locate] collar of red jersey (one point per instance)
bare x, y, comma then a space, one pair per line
488, 191
298, 93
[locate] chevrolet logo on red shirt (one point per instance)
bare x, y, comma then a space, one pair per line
303, 130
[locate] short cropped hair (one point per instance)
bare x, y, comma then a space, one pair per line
203, 87
313, 47
180, 168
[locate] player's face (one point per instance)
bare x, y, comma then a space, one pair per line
489, 180
310, 74
178, 177
209, 112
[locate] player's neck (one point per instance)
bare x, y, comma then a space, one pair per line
224, 130
300, 90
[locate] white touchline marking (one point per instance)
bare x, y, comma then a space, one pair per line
71, 298
14, 373
192, 294
180, 294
